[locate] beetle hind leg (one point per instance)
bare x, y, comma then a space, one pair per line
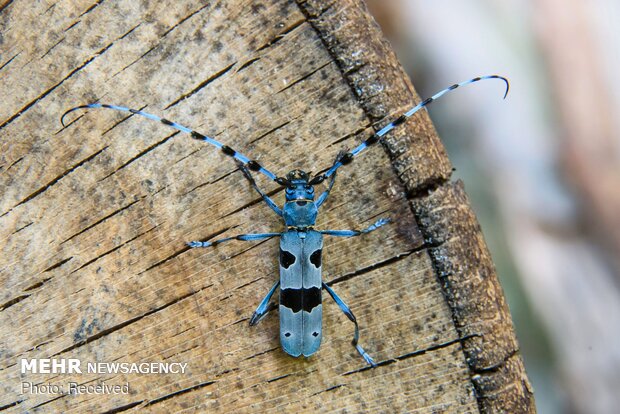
263, 308
356, 336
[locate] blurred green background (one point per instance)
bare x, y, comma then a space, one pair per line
542, 169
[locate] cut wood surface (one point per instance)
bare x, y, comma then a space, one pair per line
94, 217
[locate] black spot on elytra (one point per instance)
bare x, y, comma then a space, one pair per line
291, 298
315, 258
312, 298
287, 334
300, 299
286, 259
315, 334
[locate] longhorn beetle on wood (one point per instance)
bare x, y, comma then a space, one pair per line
301, 245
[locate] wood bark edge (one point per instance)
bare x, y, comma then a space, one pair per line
459, 254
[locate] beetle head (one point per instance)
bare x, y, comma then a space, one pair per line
297, 186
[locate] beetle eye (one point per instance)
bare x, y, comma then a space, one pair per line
307, 187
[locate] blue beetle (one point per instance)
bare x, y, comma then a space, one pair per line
301, 245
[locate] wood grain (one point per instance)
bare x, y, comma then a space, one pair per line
94, 217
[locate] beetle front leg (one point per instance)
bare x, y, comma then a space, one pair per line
325, 193
272, 204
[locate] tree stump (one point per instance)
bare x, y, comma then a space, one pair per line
95, 216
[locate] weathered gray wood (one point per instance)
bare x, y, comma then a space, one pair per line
94, 216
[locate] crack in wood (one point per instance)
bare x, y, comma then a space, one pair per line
249, 283
281, 35
414, 353
13, 404
38, 284
244, 65
55, 180
278, 378
303, 78
141, 153
269, 132
180, 392
375, 266
347, 136
120, 210
91, 8
119, 122
51, 48
22, 228
10, 60
176, 354
136, 60
123, 407
111, 250
335, 387
210, 181
262, 353
496, 367
202, 85
188, 155
237, 322
78, 21
125, 323
48, 401
186, 330
355, 69
12, 302
73, 72
181, 251
72, 25
183, 20
6, 4
20, 159
48, 9
54, 266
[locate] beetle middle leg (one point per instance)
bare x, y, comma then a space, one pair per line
352, 233
243, 237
